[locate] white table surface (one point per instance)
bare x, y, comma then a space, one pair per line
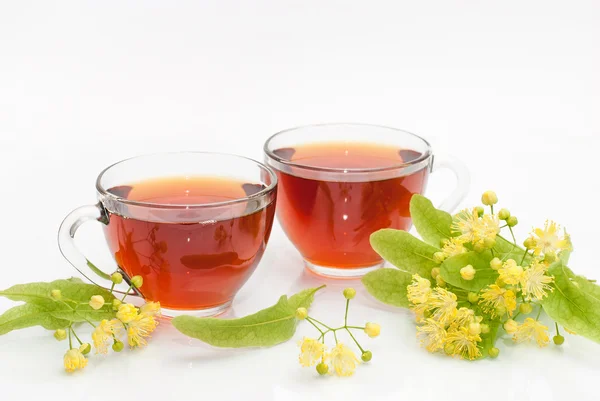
511, 87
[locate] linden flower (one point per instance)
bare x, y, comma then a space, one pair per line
418, 291
489, 228
150, 309
311, 351
464, 317
453, 247
548, 240
74, 360
535, 282
139, 329
432, 335
343, 360
510, 272
494, 296
419, 310
466, 223
444, 303
127, 312
463, 343
104, 332
532, 330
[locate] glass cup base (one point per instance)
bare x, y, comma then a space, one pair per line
209, 312
341, 272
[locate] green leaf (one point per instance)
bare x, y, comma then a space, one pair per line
28, 315
485, 275
432, 224
404, 251
505, 249
388, 286
265, 328
72, 290
574, 303
489, 339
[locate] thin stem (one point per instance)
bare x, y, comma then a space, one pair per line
346, 315
126, 293
335, 336
492, 209
504, 226
112, 287
539, 313
316, 327
525, 254
355, 327
321, 323
361, 349
517, 315
557, 332
70, 340
492, 250
75, 334
513, 235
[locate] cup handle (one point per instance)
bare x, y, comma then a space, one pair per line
463, 180
66, 243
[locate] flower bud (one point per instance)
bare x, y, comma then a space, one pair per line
85, 348
468, 273
484, 328
525, 308
443, 242
500, 310
530, 243
440, 281
550, 257
96, 302
479, 247
435, 272
372, 329
60, 334
322, 368
473, 297
511, 326
137, 281
56, 295
449, 348
349, 293
489, 243
558, 339
301, 313
366, 356
494, 352
512, 221
116, 303
475, 329
118, 346
503, 214
116, 278
439, 257
489, 198
500, 283
480, 211
495, 263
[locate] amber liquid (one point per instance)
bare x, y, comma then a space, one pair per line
330, 222
191, 265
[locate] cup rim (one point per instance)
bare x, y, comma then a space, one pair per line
263, 192
269, 153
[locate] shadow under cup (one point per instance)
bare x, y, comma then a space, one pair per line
193, 225
339, 183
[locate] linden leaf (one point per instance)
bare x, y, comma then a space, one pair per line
432, 224
485, 275
265, 328
28, 315
388, 286
574, 303
404, 251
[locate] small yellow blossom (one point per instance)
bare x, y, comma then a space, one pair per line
127, 312
487, 231
464, 316
463, 343
420, 310
532, 330
494, 297
103, 334
548, 239
535, 282
454, 247
139, 329
570, 331
96, 302
418, 291
150, 309
467, 224
432, 335
74, 360
372, 329
343, 360
468, 273
511, 273
311, 351
443, 305
510, 326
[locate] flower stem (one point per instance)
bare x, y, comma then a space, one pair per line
351, 335
492, 209
321, 323
335, 336
557, 332
112, 287
513, 235
524, 255
539, 313
126, 293
309, 320
75, 334
346, 315
355, 327
70, 340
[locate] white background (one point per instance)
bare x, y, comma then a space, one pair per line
510, 87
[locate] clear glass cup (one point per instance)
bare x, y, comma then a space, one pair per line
193, 257
328, 208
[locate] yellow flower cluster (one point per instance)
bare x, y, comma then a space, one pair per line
341, 358
447, 328
480, 231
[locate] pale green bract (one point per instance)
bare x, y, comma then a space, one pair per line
265, 328
29, 315
388, 286
433, 225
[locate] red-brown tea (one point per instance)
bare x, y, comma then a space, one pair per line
194, 265
329, 221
